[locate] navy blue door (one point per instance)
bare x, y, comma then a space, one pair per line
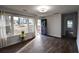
44, 26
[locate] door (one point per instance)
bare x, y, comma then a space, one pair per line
44, 26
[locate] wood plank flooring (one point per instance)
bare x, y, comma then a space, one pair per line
45, 44
14, 48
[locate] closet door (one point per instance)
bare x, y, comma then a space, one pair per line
44, 26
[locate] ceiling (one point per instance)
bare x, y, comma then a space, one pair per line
32, 9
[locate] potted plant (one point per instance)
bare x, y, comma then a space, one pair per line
22, 35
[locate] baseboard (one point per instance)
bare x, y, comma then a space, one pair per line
54, 36
63, 36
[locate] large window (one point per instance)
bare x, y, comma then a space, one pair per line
20, 24
13, 25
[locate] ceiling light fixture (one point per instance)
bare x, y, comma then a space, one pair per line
43, 9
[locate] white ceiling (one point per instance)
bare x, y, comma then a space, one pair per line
32, 9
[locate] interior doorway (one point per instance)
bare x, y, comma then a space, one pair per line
69, 25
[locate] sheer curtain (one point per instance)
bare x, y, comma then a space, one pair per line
3, 36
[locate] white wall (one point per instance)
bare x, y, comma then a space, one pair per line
54, 25
78, 33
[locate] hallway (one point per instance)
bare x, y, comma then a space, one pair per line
45, 44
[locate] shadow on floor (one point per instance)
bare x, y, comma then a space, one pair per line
14, 48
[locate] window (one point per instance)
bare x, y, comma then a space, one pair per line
8, 24
20, 24
39, 26
23, 24
31, 25
69, 24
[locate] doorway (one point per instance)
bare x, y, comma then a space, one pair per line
69, 25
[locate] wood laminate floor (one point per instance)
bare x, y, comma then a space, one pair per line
14, 48
45, 44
